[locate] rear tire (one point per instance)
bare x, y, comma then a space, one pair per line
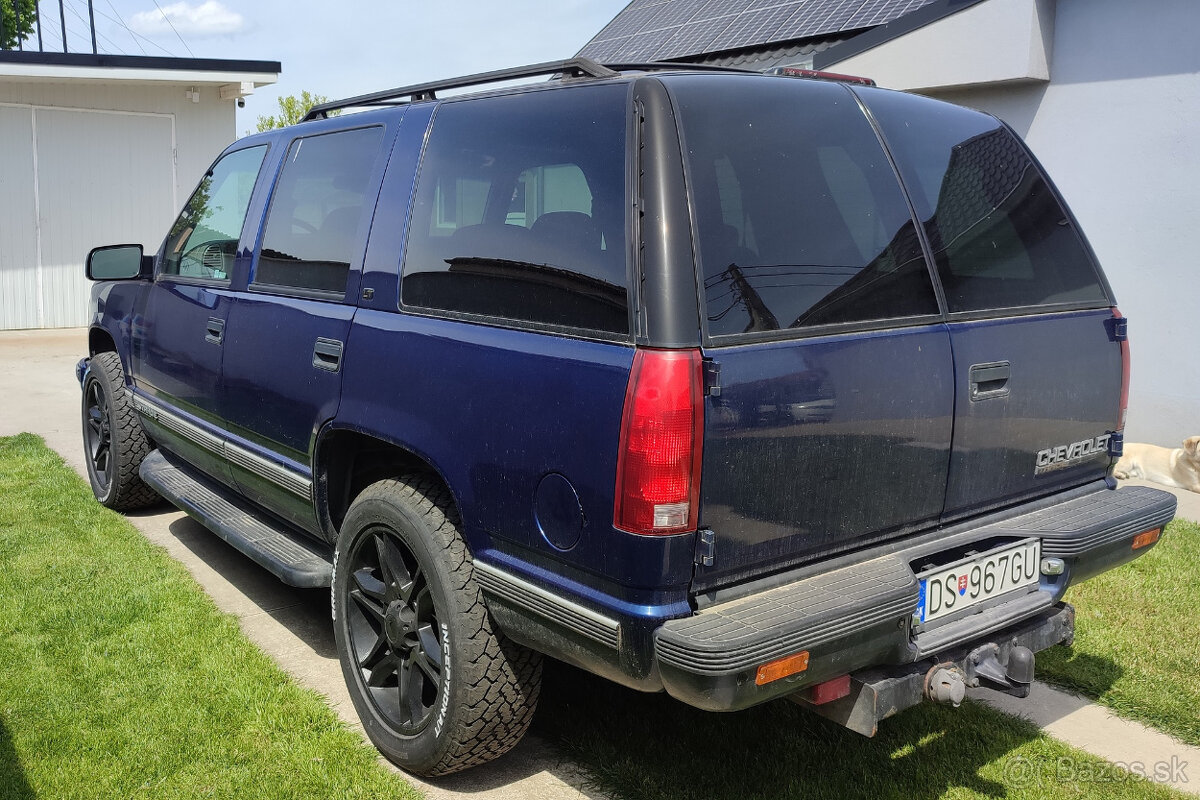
437, 687
114, 441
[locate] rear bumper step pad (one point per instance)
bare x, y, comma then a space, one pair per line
265, 541
1092, 521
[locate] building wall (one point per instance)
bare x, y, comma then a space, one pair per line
88, 163
1116, 127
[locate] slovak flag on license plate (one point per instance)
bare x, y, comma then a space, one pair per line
962, 584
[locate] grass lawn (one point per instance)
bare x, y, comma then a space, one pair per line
1137, 642
120, 679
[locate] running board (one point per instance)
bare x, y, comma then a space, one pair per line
267, 542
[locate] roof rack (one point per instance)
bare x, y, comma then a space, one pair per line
427, 91
576, 67
659, 66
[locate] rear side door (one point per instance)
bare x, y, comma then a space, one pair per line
288, 329
177, 338
1037, 363
831, 426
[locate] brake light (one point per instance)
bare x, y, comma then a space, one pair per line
662, 432
816, 74
1122, 326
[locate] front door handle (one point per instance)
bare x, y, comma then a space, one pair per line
327, 354
214, 330
990, 380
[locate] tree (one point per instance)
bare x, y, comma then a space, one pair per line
10, 31
291, 110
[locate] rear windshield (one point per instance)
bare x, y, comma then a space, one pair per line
800, 220
998, 233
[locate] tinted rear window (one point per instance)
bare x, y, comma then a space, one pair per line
999, 235
799, 217
520, 210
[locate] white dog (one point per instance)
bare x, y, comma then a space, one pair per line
1179, 467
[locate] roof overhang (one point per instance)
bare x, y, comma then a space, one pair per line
68, 67
951, 44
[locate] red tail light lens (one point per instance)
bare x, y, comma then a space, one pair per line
662, 431
1124, 410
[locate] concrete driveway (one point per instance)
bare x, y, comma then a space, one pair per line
40, 395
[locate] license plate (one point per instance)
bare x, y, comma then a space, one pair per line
969, 582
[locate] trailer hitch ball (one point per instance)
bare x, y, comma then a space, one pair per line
946, 683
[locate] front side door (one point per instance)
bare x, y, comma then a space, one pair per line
288, 330
179, 335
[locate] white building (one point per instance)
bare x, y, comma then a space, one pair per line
99, 149
1107, 93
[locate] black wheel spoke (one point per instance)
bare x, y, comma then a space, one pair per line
391, 562
378, 652
371, 586
371, 610
430, 651
412, 685
384, 671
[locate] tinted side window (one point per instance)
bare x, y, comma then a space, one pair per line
799, 216
317, 207
520, 210
999, 235
203, 241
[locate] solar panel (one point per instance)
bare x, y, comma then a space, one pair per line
753, 27
693, 38
660, 29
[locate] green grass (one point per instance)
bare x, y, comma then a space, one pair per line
650, 746
120, 679
1137, 641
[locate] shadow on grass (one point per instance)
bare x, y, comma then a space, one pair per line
1078, 671
13, 785
652, 746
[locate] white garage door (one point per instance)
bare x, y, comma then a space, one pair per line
99, 178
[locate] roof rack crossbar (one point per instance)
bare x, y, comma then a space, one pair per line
427, 91
660, 66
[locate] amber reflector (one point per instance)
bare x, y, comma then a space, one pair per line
781, 668
1147, 538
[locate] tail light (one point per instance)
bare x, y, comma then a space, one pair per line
1121, 330
662, 433
820, 75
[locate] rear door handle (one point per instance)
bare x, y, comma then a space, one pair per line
327, 354
990, 380
214, 330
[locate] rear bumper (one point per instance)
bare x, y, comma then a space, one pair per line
859, 611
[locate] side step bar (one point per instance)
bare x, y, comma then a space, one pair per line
267, 542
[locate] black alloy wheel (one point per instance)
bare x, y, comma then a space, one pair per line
394, 632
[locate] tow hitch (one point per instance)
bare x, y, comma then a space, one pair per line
1002, 661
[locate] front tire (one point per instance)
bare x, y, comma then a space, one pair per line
114, 441
437, 687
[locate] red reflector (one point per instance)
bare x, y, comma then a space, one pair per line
662, 433
798, 72
781, 668
830, 690
1124, 409
1146, 539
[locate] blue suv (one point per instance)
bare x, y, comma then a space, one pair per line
729, 385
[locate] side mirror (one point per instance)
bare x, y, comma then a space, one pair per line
118, 262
